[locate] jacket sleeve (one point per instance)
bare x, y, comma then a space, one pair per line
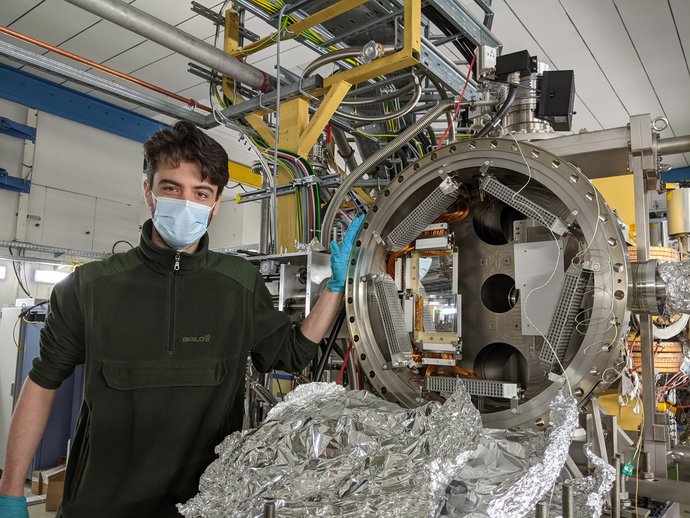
278, 342
62, 338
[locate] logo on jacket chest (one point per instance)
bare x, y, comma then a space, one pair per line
197, 339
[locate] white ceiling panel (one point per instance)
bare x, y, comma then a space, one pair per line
102, 41
13, 9
169, 72
680, 9
656, 41
54, 21
611, 47
202, 28
170, 12
567, 50
137, 57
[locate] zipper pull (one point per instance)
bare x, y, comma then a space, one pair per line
177, 262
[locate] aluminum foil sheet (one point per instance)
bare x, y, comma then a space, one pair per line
326, 451
677, 279
591, 491
520, 497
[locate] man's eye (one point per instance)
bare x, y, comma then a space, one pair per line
202, 195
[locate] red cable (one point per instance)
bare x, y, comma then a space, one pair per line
342, 367
457, 108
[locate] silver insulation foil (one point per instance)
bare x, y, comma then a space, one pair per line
677, 279
326, 451
591, 491
522, 495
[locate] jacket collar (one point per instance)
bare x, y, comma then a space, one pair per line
163, 259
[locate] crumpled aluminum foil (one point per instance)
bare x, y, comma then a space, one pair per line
677, 279
524, 494
312, 246
590, 492
326, 451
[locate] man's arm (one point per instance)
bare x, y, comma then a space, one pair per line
27, 427
322, 315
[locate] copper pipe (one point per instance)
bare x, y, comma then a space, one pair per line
112, 71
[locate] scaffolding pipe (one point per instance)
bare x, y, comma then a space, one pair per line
143, 24
374, 160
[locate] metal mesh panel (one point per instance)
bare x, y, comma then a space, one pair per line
391, 313
422, 215
517, 201
564, 315
488, 388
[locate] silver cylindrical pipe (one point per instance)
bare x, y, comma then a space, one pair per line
372, 161
386, 116
674, 145
541, 510
344, 148
143, 24
568, 500
616, 489
381, 98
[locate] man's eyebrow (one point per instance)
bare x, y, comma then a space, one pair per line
171, 182
203, 188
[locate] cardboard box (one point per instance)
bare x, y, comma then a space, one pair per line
37, 483
54, 484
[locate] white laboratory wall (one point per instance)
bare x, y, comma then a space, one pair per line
86, 193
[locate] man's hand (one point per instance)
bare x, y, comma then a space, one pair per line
340, 253
13, 507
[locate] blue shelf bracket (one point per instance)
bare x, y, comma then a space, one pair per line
14, 129
14, 184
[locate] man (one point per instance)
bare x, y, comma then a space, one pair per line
157, 399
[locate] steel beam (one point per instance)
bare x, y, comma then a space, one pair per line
23, 88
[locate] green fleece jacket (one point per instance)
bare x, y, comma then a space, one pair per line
165, 354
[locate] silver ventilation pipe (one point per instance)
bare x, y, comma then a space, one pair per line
143, 24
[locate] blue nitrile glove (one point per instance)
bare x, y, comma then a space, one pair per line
13, 507
340, 255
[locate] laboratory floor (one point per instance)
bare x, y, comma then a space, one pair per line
38, 510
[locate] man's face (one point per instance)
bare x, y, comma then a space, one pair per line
182, 183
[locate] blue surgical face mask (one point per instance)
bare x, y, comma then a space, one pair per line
180, 223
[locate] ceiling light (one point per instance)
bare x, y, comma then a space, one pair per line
3, 271
49, 276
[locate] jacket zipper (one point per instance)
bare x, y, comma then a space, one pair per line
173, 304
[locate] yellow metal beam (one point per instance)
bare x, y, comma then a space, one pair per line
294, 118
408, 56
230, 44
324, 15
300, 26
320, 119
240, 173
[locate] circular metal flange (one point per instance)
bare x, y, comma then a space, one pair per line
593, 227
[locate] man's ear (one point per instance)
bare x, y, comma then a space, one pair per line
148, 199
217, 206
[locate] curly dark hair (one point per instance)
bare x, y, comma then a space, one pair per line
187, 143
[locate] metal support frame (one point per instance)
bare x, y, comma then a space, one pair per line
643, 164
15, 129
13, 183
28, 90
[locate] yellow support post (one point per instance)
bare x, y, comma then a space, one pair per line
323, 114
230, 44
294, 118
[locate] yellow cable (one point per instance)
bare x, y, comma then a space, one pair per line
376, 134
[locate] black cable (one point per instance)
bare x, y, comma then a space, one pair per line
318, 374
432, 136
17, 273
112, 250
512, 95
